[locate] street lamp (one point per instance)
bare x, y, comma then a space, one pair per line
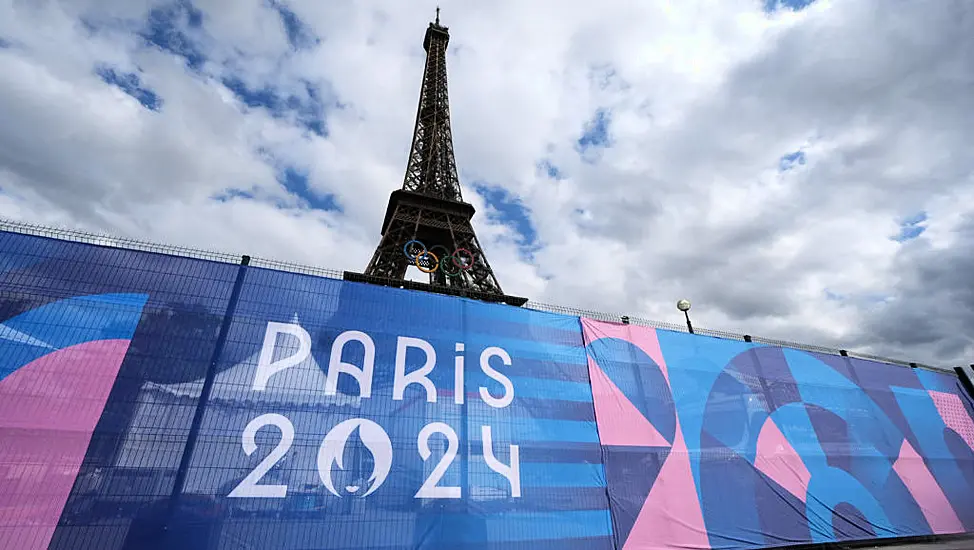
684, 306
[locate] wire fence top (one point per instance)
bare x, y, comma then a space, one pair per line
111, 241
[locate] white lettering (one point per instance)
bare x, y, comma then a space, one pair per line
248, 487
266, 366
504, 400
512, 472
336, 366
430, 489
401, 380
458, 389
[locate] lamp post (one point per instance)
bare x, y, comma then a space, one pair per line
684, 306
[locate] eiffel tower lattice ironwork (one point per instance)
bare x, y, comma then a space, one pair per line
427, 224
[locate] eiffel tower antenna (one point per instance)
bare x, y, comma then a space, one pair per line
427, 224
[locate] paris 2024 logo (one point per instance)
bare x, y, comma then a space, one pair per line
332, 449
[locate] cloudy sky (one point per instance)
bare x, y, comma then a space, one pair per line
799, 170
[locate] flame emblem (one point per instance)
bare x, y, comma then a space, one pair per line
332, 450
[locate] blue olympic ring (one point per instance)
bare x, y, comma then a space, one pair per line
412, 257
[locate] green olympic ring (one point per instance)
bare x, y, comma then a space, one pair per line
452, 262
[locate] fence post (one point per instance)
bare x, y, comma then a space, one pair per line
194, 428
966, 377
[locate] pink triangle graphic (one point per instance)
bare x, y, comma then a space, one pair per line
926, 491
671, 516
777, 459
48, 411
619, 422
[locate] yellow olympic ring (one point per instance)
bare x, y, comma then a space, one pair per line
435, 264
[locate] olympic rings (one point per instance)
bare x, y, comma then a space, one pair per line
445, 259
416, 252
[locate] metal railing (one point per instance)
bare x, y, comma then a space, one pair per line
603, 316
291, 267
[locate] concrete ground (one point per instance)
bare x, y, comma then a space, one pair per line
954, 544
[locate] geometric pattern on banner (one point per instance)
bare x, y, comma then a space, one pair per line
924, 489
624, 425
58, 363
778, 459
646, 460
955, 416
631, 472
788, 446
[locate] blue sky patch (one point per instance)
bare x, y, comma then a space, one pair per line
299, 35
4, 43
296, 182
791, 160
510, 211
252, 97
131, 84
794, 5
911, 227
228, 195
167, 28
308, 111
550, 170
596, 132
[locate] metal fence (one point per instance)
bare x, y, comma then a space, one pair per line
291, 267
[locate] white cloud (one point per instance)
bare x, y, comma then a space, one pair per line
703, 98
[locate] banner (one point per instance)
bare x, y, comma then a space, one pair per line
350, 416
150, 401
83, 329
712, 443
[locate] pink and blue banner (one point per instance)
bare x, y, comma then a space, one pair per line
150, 401
712, 443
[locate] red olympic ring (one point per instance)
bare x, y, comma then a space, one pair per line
465, 266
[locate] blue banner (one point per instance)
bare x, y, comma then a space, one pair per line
713, 443
150, 401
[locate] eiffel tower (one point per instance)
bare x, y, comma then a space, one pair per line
427, 224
